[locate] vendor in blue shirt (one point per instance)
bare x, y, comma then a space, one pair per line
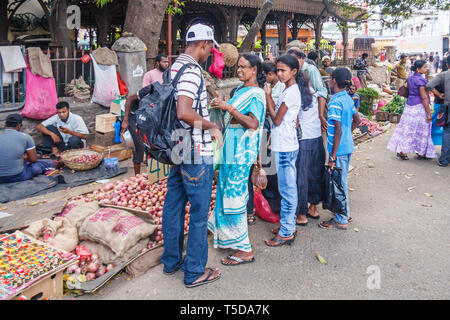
18, 157
342, 120
355, 97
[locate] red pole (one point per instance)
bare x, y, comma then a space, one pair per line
169, 37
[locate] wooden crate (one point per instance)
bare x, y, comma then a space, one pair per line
105, 139
394, 117
104, 122
115, 151
382, 116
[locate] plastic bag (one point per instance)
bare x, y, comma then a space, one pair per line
41, 97
263, 210
218, 64
123, 88
106, 88
334, 198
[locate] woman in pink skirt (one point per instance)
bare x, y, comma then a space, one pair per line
413, 133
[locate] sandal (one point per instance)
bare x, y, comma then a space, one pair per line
313, 217
177, 267
238, 260
402, 156
281, 242
419, 157
205, 281
251, 219
276, 230
331, 225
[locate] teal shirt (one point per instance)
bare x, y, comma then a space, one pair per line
316, 79
341, 108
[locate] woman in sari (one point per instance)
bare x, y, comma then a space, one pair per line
244, 120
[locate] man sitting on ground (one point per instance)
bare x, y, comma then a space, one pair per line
63, 131
18, 157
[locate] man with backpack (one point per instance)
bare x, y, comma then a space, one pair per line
443, 79
191, 180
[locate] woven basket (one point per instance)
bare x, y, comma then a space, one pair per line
68, 155
230, 54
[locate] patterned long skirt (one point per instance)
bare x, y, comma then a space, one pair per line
413, 133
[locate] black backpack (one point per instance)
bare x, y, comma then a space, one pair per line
156, 118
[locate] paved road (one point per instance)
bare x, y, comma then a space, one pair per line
399, 238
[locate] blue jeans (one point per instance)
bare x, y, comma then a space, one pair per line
445, 153
30, 169
287, 185
343, 162
193, 183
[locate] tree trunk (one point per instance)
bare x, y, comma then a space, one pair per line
249, 40
344, 31
144, 19
104, 22
4, 24
318, 23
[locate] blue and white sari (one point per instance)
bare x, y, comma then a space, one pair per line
240, 150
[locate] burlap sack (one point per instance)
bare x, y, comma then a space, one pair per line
117, 229
105, 56
106, 255
77, 211
40, 64
62, 234
230, 54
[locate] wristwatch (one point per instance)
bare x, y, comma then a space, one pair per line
330, 159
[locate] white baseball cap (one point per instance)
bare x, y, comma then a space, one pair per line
200, 32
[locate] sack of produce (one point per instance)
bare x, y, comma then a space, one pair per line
58, 233
230, 54
259, 177
117, 229
77, 211
106, 255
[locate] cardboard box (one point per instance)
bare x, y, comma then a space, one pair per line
104, 122
157, 171
105, 139
118, 106
49, 287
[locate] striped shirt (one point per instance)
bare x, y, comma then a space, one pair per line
341, 108
188, 85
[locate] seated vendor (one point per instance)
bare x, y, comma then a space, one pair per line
63, 131
18, 157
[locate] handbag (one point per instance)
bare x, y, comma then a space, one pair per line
259, 176
442, 118
403, 91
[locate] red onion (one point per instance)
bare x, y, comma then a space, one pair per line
92, 267
109, 267
101, 271
90, 276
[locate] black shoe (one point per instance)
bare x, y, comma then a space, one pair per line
440, 164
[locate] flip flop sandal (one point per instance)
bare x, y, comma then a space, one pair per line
251, 219
303, 224
238, 260
332, 225
205, 281
401, 156
419, 157
177, 267
312, 217
281, 242
350, 219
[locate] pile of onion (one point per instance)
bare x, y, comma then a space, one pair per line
138, 193
92, 268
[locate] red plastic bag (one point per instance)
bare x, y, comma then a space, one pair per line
357, 83
83, 253
123, 88
263, 209
218, 64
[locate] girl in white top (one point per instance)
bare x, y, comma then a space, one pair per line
285, 145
